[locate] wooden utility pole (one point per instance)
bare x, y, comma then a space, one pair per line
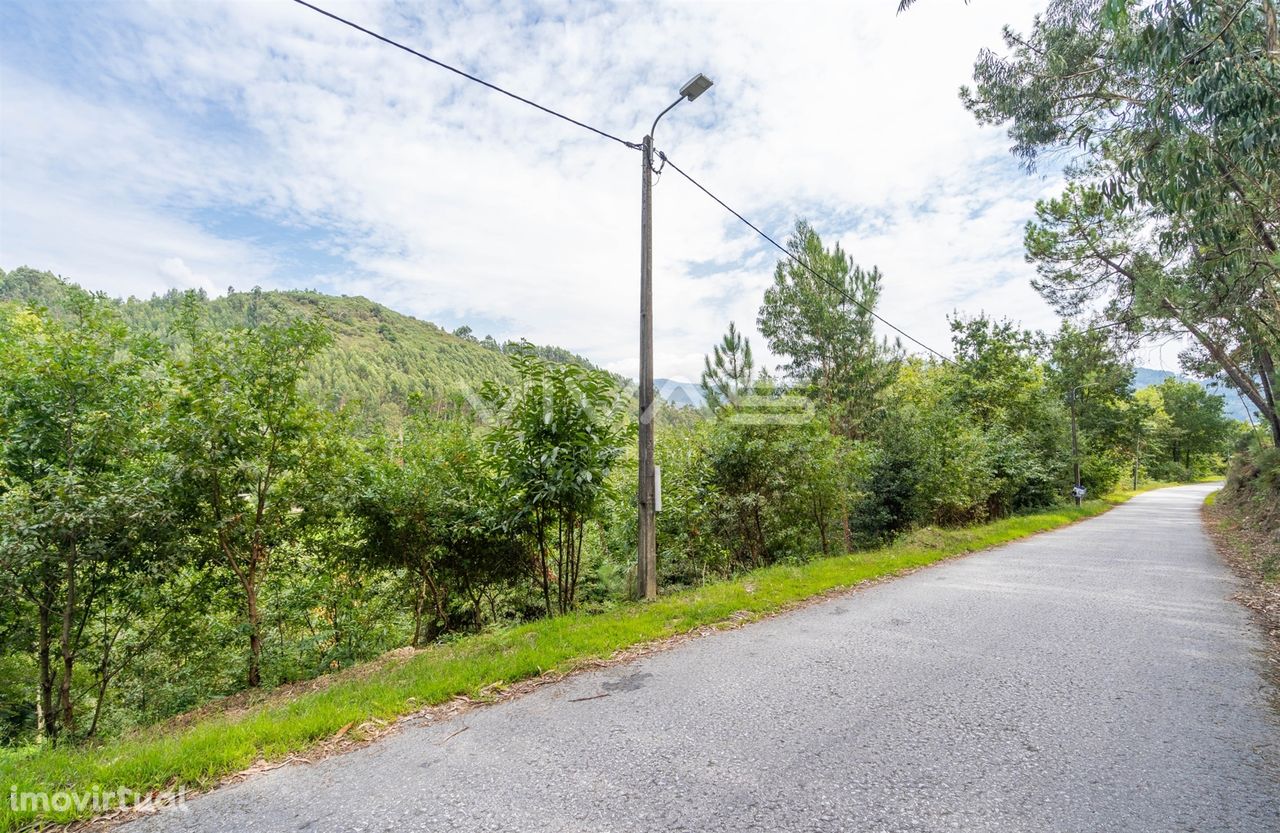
646, 493
647, 560
1075, 447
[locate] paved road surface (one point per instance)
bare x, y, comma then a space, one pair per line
1097, 678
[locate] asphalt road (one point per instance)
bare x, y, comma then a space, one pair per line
1097, 678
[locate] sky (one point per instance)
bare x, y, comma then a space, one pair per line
212, 144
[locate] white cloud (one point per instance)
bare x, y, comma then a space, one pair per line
454, 203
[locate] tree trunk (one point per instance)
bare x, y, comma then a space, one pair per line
48, 717
1267, 373
759, 534
68, 654
104, 680
543, 572
1262, 401
419, 602
437, 600
562, 572
822, 527
255, 633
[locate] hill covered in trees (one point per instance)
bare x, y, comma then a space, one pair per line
379, 361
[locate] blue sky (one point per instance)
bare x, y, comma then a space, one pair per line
213, 144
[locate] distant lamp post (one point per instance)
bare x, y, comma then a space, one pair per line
1077, 488
647, 557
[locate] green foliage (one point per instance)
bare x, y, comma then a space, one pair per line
1168, 221
1005, 385
824, 328
381, 361
79, 500
931, 464
244, 439
1193, 434
730, 371
201, 752
431, 503
778, 485
558, 434
243, 511
690, 551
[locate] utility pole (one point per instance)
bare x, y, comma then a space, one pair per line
646, 495
647, 563
1075, 446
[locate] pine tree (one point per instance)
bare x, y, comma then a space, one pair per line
729, 372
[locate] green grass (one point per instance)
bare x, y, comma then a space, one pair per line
210, 748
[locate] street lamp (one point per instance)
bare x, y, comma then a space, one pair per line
647, 556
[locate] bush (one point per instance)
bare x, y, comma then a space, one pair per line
1100, 472
1021, 479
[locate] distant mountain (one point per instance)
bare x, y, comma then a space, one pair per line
379, 359
1145, 377
680, 394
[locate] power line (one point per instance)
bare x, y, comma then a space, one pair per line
467, 75
635, 146
666, 160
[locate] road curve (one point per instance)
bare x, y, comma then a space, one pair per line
1096, 678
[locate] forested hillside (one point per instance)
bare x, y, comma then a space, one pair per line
379, 361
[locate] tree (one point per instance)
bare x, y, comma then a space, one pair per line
431, 504
244, 437
79, 496
1001, 382
558, 434
825, 329
1094, 382
1000, 368
1145, 421
1196, 427
393, 513
931, 461
729, 372
1169, 221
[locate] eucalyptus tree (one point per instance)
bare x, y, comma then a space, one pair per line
1170, 115
245, 439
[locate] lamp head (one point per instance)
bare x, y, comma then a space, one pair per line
696, 86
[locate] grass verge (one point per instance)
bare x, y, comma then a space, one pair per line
198, 755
